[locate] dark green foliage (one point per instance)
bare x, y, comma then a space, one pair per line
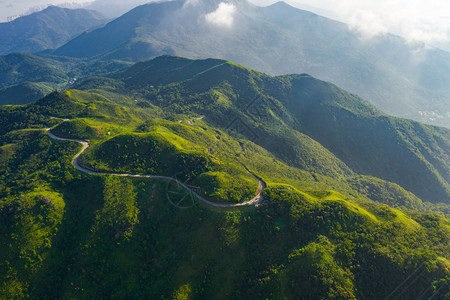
123, 238
348, 227
313, 273
30, 210
35, 157
386, 192
287, 115
20, 67
22, 93
25, 78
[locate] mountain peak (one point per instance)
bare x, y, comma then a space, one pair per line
52, 7
280, 3
47, 29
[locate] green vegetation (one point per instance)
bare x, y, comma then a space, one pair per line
386, 192
20, 67
324, 230
22, 93
306, 123
150, 153
25, 78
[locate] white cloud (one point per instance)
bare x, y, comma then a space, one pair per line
223, 16
416, 20
191, 2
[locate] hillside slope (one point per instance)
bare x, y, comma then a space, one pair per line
288, 115
23, 93
21, 67
316, 236
47, 29
25, 78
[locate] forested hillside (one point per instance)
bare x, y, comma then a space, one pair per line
25, 78
288, 115
327, 227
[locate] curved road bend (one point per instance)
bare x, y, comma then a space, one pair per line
256, 200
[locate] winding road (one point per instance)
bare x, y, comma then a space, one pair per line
255, 201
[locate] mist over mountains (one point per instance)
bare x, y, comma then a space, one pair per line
402, 79
115, 8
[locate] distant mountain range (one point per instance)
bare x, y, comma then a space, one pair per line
47, 29
403, 79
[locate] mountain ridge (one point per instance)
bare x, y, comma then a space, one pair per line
352, 129
47, 29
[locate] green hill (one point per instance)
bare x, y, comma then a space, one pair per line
47, 29
288, 114
324, 230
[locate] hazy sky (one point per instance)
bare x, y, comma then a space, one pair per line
16, 7
424, 20
427, 21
